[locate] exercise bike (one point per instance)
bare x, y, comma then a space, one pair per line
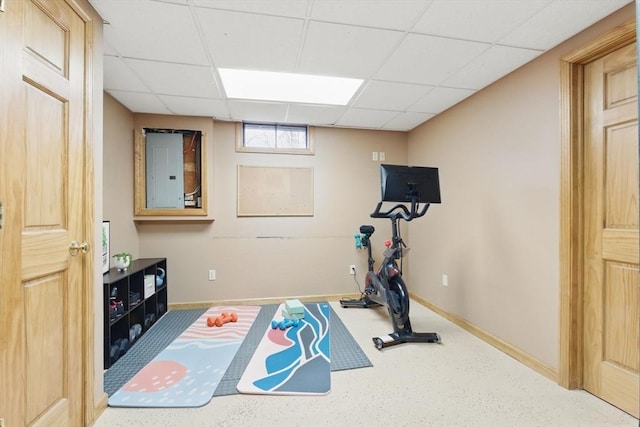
386, 287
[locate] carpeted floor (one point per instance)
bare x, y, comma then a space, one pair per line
462, 382
345, 351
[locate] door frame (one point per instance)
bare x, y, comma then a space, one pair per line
92, 38
570, 365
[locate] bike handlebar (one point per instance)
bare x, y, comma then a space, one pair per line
402, 211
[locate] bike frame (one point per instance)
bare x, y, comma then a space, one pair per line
386, 287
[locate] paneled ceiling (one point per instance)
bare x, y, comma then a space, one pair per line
417, 57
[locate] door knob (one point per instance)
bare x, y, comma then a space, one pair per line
74, 247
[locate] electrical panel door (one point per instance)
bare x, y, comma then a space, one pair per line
165, 171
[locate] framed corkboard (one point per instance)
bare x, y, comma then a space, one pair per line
275, 191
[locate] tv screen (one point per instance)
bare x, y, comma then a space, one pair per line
404, 183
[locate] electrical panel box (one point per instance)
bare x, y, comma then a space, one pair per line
165, 171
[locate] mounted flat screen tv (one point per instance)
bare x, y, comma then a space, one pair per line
409, 183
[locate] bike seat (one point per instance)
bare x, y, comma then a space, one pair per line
367, 229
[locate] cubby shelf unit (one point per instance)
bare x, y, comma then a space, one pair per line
139, 306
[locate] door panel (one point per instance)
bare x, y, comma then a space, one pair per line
621, 315
44, 99
611, 309
45, 343
45, 36
53, 80
45, 171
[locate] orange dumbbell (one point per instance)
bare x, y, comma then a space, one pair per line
222, 319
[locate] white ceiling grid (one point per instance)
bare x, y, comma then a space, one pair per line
417, 57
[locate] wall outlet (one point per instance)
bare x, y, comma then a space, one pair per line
445, 280
352, 270
382, 156
212, 275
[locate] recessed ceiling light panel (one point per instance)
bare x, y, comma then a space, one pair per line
288, 87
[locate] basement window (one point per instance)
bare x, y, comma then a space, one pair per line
273, 138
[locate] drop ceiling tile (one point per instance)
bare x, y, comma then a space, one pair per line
428, 60
491, 66
269, 112
200, 107
456, 45
118, 76
380, 95
344, 50
389, 14
176, 79
314, 114
440, 99
484, 21
140, 102
407, 121
361, 118
290, 8
250, 41
151, 30
560, 20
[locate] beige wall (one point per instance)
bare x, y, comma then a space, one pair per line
118, 177
254, 257
496, 234
113, 193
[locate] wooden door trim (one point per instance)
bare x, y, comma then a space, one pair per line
89, 369
89, 225
570, 364
82, 9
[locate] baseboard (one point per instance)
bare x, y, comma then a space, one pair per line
259, 301
100, 406
522, 357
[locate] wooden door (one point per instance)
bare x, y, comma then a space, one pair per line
611, 197
43, 175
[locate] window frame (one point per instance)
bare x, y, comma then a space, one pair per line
241, 148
